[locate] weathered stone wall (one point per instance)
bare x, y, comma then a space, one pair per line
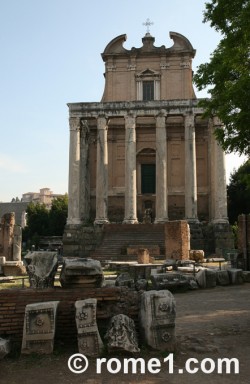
19, 207
177, 240
79, 241
110, 301
244, 238
7, 235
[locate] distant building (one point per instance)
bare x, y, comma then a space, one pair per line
45, 196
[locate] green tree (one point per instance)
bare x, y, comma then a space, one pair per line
58, 215
238, 192
228, 73
37, 219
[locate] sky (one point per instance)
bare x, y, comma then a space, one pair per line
51, 55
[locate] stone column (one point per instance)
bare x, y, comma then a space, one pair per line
102, 172
74, 172
84, 174
218, 177
161, 170
190, 169
130, 171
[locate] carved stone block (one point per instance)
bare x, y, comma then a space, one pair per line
157, 320
124, 280
235, 276
121, 335
41, 268
4, 348
81, 272
39, 327
206, 278
222, 277
171, 281
89, 340
246, 276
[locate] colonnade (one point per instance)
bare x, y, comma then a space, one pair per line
79, 213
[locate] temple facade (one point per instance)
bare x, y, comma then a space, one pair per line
145, 150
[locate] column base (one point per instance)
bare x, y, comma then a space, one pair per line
101, 221
220, 221
130, 221
161, 221
192, 220
74, 221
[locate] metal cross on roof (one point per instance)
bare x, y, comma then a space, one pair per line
147, 24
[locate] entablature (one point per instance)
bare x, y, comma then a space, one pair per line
138, 108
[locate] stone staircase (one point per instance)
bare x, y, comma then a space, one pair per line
117, 237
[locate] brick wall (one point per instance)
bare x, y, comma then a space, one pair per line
110, 301
177, 240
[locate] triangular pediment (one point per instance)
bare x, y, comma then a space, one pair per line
148, 73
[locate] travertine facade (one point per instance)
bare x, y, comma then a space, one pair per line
145, 145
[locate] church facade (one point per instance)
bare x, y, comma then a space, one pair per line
146, 148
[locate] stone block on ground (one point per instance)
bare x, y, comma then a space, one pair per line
143, 256
246, 276
39, 327
210, 278
121, 335
157, 320
81, 272
89, 340
41, 268
192, 283
124, 280
4, 347
236, 276
206, 278
196, 255
222, 277
170, 280
13, 268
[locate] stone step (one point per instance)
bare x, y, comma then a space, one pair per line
116, 238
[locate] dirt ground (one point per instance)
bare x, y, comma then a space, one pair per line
210, 324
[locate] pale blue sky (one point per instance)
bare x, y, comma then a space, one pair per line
50, 56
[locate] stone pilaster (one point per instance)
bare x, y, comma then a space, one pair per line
190, 169
218, 178
74, 172
102, 172
161, 170
130, 170
84, 173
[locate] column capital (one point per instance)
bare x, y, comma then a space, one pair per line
102, 122
130, 120
189, 118
161, 113
216, 121
74, 123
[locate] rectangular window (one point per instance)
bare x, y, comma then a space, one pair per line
148, 178
148, 90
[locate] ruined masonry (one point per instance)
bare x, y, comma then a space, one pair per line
89, 340
157, 320
39, 327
